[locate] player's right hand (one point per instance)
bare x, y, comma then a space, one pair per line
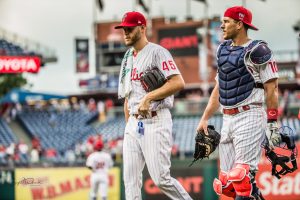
273, 134
203, 126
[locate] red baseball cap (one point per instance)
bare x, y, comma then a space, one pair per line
98, 145
242, 14
132, 19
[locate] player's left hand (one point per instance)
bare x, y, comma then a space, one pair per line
273, 134
143, 108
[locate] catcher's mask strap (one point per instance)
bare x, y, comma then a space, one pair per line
195, 159
192, 162
281, 161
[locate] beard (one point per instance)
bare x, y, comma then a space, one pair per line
229, 35
134, 39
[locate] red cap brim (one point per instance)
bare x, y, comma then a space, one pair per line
251, 26
125, 25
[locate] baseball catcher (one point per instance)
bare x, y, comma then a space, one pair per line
152, 79
205, 144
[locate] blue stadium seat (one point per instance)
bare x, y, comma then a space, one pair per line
61, 130
6, 135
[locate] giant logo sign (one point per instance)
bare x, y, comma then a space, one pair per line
191, 179
179, 41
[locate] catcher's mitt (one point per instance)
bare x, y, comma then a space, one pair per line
206, 144
152, 79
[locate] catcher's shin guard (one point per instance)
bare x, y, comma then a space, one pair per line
243, 181
223, 186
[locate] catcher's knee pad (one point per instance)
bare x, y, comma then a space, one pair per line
241, 180
223, 186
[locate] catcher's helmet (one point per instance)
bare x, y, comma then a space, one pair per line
288, 153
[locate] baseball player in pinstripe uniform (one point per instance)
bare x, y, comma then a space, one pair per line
99, 162
246, 73
148, 132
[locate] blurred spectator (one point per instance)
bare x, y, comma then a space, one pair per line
13, 112
34, 156
23, 149
77, 151
91, 139
83, 150
92, 105
50, 155
74, 103
35, 143
2, 154
70, 157
38, 105
83, 106
89, 148
101, 111
109, 104
65, 105
19, 107
10, 152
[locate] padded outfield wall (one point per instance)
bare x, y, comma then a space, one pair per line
72, 183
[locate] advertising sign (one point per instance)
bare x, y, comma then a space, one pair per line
19, 64
60, 183
191, 179
179, 41
286, 188
82, 55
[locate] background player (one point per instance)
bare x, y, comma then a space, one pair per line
148, 132
246, 71
99, 162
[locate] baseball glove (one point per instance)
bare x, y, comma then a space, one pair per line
205, 144
152, 79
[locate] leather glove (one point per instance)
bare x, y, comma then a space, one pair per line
273, 134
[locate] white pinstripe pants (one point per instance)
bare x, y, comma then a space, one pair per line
154, 150
241, 138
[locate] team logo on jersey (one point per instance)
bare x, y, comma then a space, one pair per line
135, 75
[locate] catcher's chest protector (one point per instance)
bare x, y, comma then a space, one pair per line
235, 81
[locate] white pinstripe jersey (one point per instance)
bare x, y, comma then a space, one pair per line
151, 56
261, 74
100, 162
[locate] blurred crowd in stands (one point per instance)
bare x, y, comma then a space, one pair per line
9, 111
17, 152
20, 153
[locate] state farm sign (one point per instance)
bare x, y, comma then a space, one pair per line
19, 64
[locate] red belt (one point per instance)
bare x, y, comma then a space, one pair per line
234, 111
153, 114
